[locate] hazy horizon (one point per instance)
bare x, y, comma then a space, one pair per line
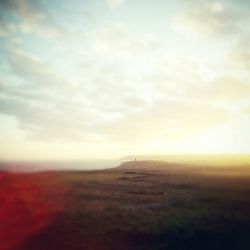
209, 161
145, 156
102, 79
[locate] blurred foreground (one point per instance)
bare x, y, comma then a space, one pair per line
144, 205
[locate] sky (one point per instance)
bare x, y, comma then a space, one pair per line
95, 79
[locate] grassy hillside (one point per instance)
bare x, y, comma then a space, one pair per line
139, 205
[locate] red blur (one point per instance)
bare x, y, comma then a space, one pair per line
28, 204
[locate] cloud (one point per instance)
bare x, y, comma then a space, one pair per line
240, 54
112, 39
6, 28
109, 96
119, 81
27, 17
225, 90
48, 105
207, 17
114, 4
30, 67
39, 99
166, 121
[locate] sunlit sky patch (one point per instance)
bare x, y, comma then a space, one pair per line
106, 78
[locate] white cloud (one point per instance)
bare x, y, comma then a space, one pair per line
241, 52
119, 86
113, 4
164, 122
208, 17
122, 81
114, 40
28, 17
42, 100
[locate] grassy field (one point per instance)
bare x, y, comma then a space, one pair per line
144, 205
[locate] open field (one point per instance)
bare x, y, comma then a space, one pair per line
144, 205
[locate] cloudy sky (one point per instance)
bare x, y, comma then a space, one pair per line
88, 79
